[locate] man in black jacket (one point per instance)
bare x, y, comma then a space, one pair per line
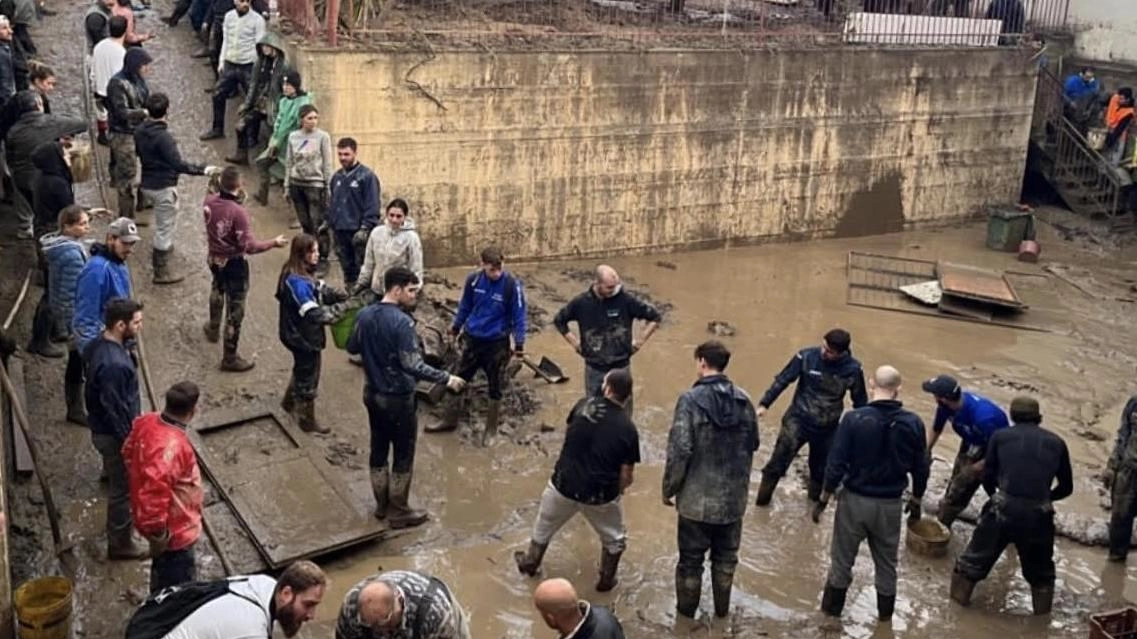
1023, 462
33, 128
875, 449
126, 96
112, 404
161, 165
571, 616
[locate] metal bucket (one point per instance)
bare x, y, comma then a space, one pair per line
81, 165
928, 537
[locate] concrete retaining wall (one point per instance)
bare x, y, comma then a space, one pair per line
1105, 30
596, 152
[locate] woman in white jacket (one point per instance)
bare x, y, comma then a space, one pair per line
393, 243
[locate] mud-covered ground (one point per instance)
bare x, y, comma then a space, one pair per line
775, 299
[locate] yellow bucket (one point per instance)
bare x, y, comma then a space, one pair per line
43, 608
81, 167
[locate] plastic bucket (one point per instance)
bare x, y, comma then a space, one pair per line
1029, 250
43, 608
81, 167
928, 537
342, 329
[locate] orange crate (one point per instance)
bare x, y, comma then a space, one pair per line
1114, 624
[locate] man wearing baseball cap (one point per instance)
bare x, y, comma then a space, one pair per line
1022, 467
975, 419
103, 277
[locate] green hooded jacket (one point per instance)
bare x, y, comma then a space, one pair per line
287, 118
268, 77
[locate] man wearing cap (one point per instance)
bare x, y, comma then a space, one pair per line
103, 277
824, 374
975, 419
1020, 470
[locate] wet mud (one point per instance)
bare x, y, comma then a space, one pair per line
777, 299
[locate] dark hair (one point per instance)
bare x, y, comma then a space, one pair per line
1085, 69
297, 263
714, 353
116, 26
492, 255
39, 71
182, 398
839, 340
300, 576
230, 179
120, 309
398, 203
347, 143
619, 381
157, 105
1125, 92
305, 110
398, 276
70, 214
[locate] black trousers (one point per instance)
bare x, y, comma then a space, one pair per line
1003, 521
172, 568
1123, 511
488, 355
350, 254
305, 380
250, 133
697, 537
793, 435
74, 373
234, 77
394, 427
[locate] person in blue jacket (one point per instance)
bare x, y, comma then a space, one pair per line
103, 277
824, 375
354, 209
306, 306
1081, 85
975, 419
492, 310
65, 257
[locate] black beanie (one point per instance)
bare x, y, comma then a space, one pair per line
292, 76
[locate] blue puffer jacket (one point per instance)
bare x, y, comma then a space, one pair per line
65, 260
103, 277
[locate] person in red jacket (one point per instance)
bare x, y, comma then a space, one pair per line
165, 487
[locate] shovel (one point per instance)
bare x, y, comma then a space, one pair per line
546, 369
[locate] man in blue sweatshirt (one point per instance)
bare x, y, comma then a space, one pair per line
112, 404
103, 277
492, 310
354, 209
385, 337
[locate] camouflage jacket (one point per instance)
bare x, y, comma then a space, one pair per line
429, 610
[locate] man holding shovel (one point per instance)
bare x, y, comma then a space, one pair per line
492, 309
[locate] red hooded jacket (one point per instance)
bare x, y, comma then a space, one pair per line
165, 484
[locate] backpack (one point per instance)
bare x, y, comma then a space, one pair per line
164, 610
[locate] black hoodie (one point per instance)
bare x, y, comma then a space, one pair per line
53, 189
158, 153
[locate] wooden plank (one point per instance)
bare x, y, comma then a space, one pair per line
23, 455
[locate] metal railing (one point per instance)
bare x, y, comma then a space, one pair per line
686, 22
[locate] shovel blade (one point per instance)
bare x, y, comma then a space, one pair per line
550, 368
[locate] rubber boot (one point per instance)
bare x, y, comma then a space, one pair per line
493, 412
212, 332
833, 600
721, 584
687, 593
1042, 599
240, 157
125, 548
814, 491
948, 515
231, 362
766, 491
41, 343
961, 589
451, 414
261, 196
1119, 538
126, 203
380, 485
609, 565
885, 604
400, 514
529, 561
288, 402
76, 408
163, 274
305, 412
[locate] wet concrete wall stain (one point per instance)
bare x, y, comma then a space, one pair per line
874, 211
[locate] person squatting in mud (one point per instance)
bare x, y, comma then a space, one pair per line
1026, 470
492, 309
710, 453
876, 448
604, 315
401, 603
975, 419
384, 337
595, 467
307, 305
824, 374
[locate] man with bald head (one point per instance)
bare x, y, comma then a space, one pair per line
401, 603
604, 315
876, 448
557, 602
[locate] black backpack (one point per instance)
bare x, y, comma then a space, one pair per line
164, 610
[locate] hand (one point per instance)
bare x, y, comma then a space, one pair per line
760, 411
212, 170
1107, 477
287, 194
914, 509
360, 237
456, 383
280, 241
636, 345
818, 508
667, 501
272, 152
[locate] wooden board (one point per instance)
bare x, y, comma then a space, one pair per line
978, 284
20, 451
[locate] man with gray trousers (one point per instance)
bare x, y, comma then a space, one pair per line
710, 452
875, 448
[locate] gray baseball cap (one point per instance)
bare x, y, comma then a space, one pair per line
124, 229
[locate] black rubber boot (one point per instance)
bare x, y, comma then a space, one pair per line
609, 565
451, 414
399, 512
1042, 599
76, 406
493, 412
814, 491
380, 487
163, 272
529, 561
688, 589
948, 515
833, 601
305, 411
288, 402
885, 605
961, 589
721, 584
766, 491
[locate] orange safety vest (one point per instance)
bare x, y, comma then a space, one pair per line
1116, 113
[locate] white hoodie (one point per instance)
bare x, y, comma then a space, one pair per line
232, 616
388, 249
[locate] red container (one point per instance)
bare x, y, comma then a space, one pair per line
1028, 251
1114, 624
